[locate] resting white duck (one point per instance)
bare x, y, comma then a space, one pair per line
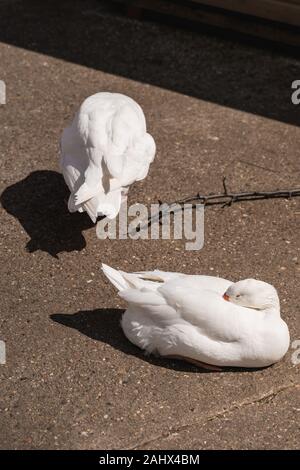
104, 150
205, 320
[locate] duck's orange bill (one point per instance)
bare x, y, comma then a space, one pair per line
226, 297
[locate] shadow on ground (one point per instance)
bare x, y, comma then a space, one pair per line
39, 202
93, 34
104, 325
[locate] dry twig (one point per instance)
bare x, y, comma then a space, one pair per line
227, 198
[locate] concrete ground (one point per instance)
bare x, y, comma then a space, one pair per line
215, 107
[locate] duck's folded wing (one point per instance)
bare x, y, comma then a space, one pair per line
120, 127
152, 304
137, 158
201, 282
104, 136
203, 309
142, 297
158, 276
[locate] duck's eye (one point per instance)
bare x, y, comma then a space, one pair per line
238, 295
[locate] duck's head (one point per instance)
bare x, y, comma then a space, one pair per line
254, 294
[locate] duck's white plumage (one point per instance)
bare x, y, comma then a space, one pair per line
104, 150
174, 314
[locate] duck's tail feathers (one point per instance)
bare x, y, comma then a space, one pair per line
116, 277
103, 205
123, 281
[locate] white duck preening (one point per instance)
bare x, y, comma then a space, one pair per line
103, 151
203, 319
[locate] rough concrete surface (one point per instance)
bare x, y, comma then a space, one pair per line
215, 107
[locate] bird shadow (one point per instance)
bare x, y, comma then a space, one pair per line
104, 325
39, 202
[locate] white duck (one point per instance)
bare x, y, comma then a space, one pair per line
103, 151
205, 320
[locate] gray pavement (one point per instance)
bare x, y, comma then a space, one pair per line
215, 107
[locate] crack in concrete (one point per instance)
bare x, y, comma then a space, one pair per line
268, 396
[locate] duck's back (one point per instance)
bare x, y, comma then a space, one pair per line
99, 118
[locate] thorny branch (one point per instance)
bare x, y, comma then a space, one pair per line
227, 198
